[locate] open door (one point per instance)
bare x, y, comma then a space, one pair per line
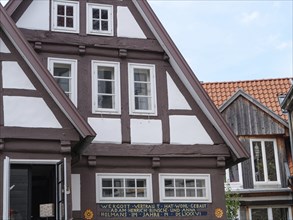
61, 190
6, 188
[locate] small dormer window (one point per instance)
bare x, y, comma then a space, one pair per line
100, 19
65, 16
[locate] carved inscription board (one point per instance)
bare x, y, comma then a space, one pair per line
153, 210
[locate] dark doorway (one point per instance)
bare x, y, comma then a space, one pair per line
30, 186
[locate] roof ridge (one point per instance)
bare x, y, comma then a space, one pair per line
250, 80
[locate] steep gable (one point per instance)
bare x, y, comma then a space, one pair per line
30, 98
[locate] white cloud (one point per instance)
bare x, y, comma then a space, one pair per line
248, 18
284, 45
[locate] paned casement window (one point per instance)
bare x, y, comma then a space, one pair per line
142, 89
64, 72
234, 176
123, 188
106, 87
265, 163
270, 213
100, 19
185, 188
65, 16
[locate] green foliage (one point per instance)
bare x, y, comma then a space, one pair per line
232, 203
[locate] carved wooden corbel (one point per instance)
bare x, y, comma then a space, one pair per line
156, 162
65, 147
92, 161
221, 162
1, 144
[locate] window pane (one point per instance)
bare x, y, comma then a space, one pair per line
69, 22
142, 89
258, 161
60, 10
69, 11
180, 193
64, 84
60, 21
106, 87
234, 174
190, 183
259, 214
104, 25
96, 25
130, 192
179, 182
280, 213
142, 75
190, 193
105, 101
141, 183
201, 193
104, 14
118, 192
105, 72
118, 183
141, 193
272, 173
200, 183
63, 70
169, 183
96, 13
130, 182
107, 192
107, 183
142, 103
169, 193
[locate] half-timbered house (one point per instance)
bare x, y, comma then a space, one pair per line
252, 109
102, 118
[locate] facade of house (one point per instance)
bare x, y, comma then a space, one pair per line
253, 111
102, 118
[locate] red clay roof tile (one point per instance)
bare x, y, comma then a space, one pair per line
266, 91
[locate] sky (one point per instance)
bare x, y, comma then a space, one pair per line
229, 40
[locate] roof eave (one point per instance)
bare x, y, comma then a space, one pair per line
189, 79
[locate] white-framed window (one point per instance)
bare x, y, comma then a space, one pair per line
65, 16
100, 19
234, 176
123, 188
106, 87
142, 89
185, 188
265, 163
270, 213
64, 72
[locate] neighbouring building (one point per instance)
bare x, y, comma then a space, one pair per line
252, 109
102, 118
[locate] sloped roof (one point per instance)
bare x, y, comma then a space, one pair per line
265, 91
29, 55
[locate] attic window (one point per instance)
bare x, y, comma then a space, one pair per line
281, 99
100, 19
65, 16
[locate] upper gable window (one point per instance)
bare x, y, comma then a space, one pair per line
106, 87
65, 16
64, 72
100, 19
265, 164
234, 176
142, 89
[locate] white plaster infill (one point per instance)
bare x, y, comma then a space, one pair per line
108, 130
185, 129
146, 132
175, 98
127, 26
36, 17
14, 77
28, 112
3, 47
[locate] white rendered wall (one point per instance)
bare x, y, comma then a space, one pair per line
75, 184
14, 77
127, 26
146, 131
175, 98
185, 129
36, 17
28, 112
3, 47
108, 130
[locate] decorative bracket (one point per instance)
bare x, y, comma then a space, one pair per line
65, 147
156, 162
221, 162
92, 161
1, 144
122, 53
